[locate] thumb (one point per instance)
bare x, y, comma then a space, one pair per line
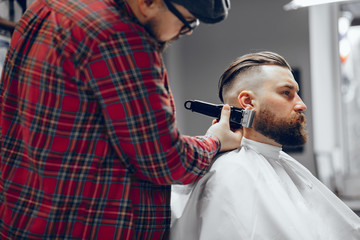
225, 114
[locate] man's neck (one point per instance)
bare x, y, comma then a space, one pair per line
252, 134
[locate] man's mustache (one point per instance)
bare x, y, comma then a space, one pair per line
300, 118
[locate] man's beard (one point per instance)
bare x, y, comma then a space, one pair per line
151, 28
287, 132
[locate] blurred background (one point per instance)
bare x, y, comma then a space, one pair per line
320, 42
196, 62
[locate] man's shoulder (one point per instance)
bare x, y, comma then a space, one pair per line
234, 163
237, 157
99, 19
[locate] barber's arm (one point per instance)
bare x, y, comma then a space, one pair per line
138, 108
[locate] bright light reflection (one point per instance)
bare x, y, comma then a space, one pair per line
295, 4
344, 25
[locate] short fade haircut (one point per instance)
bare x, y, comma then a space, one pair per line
246, 62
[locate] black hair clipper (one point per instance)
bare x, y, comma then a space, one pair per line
239, 117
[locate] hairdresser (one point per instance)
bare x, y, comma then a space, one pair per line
89, 143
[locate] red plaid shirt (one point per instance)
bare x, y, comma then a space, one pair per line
89, 144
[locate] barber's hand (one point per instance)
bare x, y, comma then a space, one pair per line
221, 129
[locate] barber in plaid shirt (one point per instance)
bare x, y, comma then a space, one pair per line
89, 145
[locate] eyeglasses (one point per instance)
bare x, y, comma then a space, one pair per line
188, 25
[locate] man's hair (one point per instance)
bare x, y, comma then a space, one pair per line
245, 63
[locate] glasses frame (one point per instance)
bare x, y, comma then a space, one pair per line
188, 25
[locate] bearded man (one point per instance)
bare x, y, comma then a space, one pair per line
258, 191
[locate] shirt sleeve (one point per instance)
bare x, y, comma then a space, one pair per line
129, 79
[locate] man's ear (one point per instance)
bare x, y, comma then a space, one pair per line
147, 7
246, 99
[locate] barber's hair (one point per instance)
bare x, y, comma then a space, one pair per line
247, 62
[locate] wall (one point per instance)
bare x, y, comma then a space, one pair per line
196, 62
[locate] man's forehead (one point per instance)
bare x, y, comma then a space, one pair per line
279, 76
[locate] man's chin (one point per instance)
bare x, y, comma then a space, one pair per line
165, 44
296, 140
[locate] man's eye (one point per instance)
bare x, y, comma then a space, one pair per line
287, 93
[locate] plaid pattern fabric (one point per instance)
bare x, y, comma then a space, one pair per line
89, 144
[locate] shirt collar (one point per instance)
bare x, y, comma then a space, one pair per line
267, 150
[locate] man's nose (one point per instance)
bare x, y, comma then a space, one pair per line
299, 104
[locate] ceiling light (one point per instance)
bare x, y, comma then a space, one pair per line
295, 4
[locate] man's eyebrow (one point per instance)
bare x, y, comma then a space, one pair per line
290, 86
